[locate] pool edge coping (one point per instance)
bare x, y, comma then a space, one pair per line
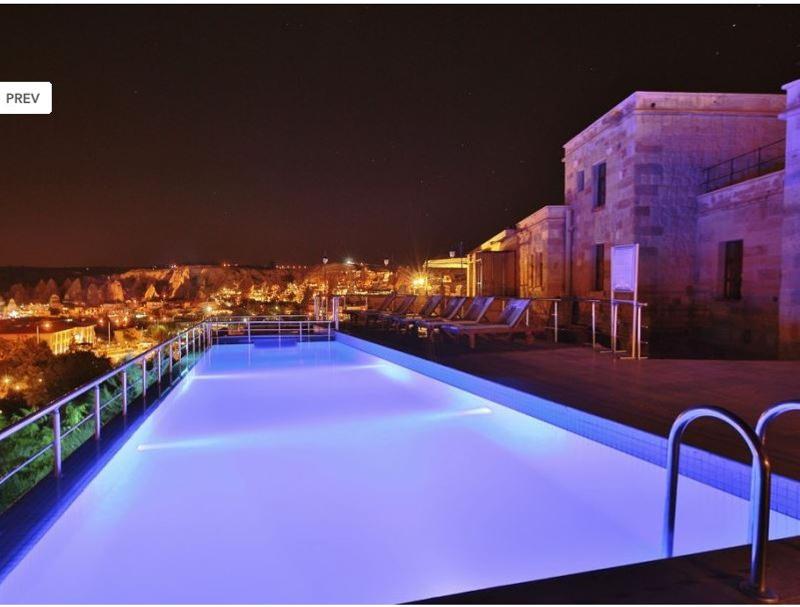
698, 464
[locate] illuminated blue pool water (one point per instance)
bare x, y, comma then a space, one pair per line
318, 473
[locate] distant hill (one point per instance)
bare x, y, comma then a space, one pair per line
105, 284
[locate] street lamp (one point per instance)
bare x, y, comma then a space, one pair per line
46, 324
385, 262
325, 273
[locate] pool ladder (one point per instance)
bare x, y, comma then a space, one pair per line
756, 584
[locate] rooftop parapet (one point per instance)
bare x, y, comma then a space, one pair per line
649, 102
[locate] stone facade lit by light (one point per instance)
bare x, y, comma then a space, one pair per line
655, 148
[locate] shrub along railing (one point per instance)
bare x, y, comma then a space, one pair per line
31, 447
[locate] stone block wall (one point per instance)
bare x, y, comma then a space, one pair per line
750, 211
542, 234
655, 146
789, 335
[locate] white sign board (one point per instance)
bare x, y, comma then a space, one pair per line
624, 268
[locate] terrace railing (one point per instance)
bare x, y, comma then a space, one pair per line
168, 361
179, 351
766, 159
245, 329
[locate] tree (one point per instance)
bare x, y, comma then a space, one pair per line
158, 332
69, 371
22, 366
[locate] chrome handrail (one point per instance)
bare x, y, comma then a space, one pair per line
197, 331
756, 584
771, 413
264, 317
69, 396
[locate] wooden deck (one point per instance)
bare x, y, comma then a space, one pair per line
709, 577
647, 394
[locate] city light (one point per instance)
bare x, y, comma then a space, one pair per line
419, 281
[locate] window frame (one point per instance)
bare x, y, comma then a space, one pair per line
539, 271
732, 269
598, 267
599, 185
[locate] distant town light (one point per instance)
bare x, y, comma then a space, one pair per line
452, 253
324, 260
348, 261
386, 262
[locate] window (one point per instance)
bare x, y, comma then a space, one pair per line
599, 179
581, 181
599, 267
531, 273
732, 276
539, 269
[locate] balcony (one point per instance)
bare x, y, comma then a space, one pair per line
766, 159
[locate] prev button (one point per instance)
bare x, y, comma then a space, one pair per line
26, 97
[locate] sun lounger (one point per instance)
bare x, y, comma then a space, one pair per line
427, 311
401, 310
509, 323
474, 314
365, 315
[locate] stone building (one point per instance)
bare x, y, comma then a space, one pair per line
708, 185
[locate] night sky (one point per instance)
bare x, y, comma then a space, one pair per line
262, 133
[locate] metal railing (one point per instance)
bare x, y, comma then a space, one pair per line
557, 320
550, 312
756, 583
188, 342
765, 159
776, 410
237, 329
154, 364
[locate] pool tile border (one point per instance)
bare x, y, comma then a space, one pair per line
698, 464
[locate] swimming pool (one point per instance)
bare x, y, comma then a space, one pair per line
319, 473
